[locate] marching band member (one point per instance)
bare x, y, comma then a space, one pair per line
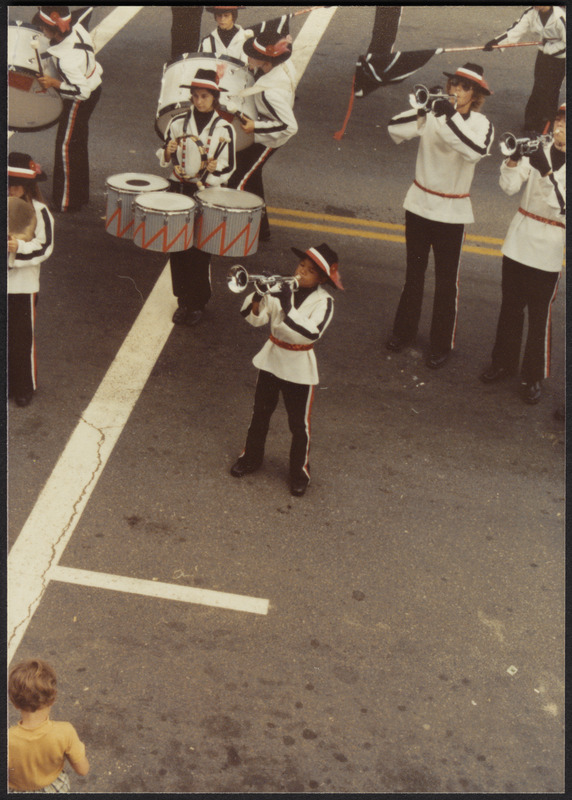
24, 277
548, 24
453, 139
287, 362
532, 261
80, 88
228, 38
190, 269
274, 91
185, 30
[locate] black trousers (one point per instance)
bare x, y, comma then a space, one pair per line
542, 104
535, 289
185, 30
22, 368
71, 161
446, 239
298, 399
190, 269
248, 175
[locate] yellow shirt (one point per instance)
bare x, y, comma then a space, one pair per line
36, 756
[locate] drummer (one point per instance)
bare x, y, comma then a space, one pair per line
274, 90
190, 269
80, 88
228, 38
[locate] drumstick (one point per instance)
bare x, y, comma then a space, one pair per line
232, 108
34, 44
221, 143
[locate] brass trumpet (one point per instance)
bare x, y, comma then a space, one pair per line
238, 279
423, 98
509, 144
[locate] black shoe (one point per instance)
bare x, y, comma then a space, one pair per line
193, 317
299, 485
435, 360
24, 399
264, 236
243, 467
493, 374
396, 344
531, 393
180, 316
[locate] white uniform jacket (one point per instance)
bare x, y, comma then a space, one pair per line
214, 44
529, 26
274, 95
301, 326
531, 241
185, 123
75, 61
24, 275
448, 152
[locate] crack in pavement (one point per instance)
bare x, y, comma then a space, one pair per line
54, 545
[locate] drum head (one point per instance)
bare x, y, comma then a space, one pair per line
137, 182
229, 199
167, 202
29, 106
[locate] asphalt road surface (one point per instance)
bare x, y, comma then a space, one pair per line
406, 626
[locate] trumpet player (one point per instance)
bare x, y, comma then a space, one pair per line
287, 362
454, 136
533, 251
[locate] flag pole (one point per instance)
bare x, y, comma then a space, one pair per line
494, 46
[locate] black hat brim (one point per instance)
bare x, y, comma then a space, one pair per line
249, 50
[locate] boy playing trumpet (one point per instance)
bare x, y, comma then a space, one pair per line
287, 362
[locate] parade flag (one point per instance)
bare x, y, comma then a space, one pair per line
280, 25
373, 70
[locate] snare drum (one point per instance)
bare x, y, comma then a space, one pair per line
228, 221
121, 192
233, 77
164, 221
29, 106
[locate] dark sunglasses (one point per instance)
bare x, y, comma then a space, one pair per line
462, 82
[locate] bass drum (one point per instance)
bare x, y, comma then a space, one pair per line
30, 108
233, 76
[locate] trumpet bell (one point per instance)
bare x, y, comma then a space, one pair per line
237, 279
420, 96
508, 144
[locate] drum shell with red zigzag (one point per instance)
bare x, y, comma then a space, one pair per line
121, 191
228, 221
164, 222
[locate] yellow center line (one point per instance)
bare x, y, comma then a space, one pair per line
363, 223
365, 234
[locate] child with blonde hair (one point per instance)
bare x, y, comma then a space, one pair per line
37, 745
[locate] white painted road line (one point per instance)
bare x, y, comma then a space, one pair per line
309, 37
58, 509
42, 541
164, 591
112, 24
